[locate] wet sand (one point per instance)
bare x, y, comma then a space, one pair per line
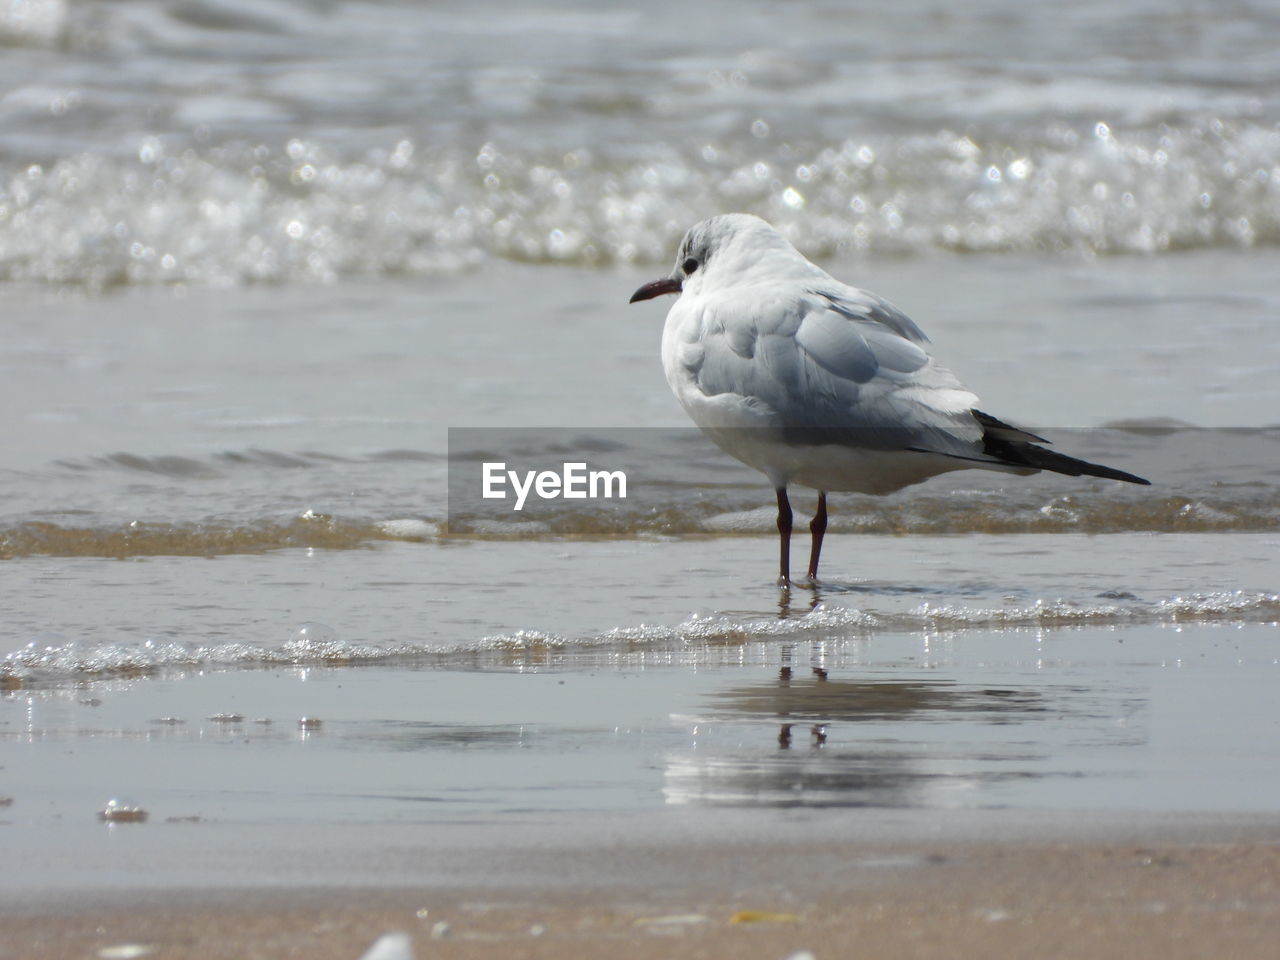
1090, 792
1194, 890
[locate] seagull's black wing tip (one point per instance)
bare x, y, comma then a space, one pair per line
1018, 447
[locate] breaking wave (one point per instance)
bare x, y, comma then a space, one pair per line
317, 645
254, 212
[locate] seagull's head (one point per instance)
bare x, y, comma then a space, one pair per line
723, 251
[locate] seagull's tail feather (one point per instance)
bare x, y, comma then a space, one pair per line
1019, 448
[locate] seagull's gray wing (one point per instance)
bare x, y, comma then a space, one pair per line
862, 306
826, 366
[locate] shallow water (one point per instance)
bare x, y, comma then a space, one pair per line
215, 423
235, 504
265, 267
1140, 722
402, 602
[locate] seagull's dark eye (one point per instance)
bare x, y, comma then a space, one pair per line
689, 266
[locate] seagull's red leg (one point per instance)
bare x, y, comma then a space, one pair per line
817, 527
784, 535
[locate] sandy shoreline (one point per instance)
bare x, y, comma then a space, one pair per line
1149, 896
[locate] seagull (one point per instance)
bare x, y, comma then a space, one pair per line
817, 383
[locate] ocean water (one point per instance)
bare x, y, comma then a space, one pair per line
265, 266
217, 142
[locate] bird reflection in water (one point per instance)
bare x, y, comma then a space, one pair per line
785, 609
871, 742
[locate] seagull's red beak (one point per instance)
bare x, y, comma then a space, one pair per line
656, 289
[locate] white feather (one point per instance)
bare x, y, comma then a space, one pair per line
805, 378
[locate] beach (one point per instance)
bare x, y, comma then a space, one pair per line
1097, 790
1146, 896
283, 288
337, 713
